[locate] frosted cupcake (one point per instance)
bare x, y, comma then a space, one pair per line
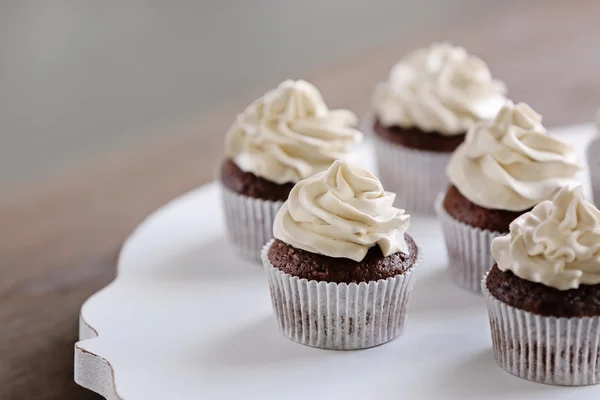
340, 268
503, 169
593, 158
287, 135
421, 115
543, 295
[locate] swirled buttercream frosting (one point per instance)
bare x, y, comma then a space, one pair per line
342, 212
290, 134
441, 88
511, 163
556, 244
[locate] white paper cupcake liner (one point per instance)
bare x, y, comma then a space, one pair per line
416, 176
555, 351
469, 249
339, 316
249, 222
593, 158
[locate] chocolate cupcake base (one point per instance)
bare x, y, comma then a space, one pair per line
541, 299
462, 209
338, 316
317, 267
249, 222
417, 139
469, 249
550, 350
250, 185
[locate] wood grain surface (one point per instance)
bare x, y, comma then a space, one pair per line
60, 239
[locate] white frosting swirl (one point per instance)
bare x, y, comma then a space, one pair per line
290, 134
342, 212
557, 243
441, 88
511, 163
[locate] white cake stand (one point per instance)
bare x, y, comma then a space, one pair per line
187, 319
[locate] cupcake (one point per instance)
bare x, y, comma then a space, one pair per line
287, 135
503, 169
421, 115
340, 268
543, 295
593, 158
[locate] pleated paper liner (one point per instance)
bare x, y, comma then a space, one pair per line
416, 176
249, 222
339, 316
551, 350
469, 249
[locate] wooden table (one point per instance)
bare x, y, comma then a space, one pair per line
60, 239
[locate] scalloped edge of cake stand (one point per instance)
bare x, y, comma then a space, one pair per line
92, 371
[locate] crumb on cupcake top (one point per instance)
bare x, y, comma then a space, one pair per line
342, 213
440, 89
511, 163
290, 134
556, 244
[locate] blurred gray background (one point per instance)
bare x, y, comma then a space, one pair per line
79, 79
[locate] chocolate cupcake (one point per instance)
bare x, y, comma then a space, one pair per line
340, 268
593, 158
287, 135
421, 114
503, 169
543, 295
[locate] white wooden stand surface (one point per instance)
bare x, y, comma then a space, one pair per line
186, 318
